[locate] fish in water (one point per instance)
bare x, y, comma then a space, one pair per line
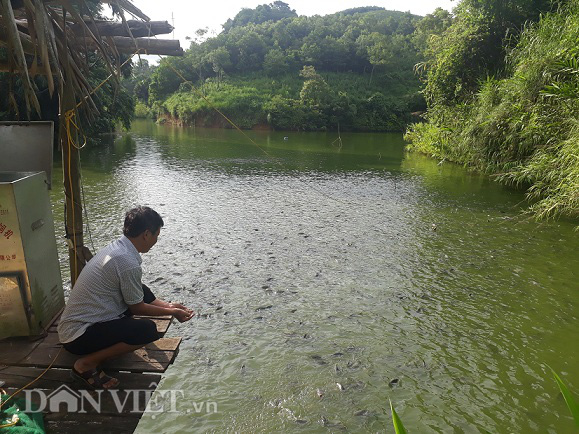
318, 359
362, 413
331, 424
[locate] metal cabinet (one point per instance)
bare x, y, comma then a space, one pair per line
31, 292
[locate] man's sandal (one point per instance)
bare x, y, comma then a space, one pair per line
95, 379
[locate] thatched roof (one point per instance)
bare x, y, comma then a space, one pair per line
54, 37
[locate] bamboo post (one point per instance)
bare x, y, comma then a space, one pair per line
72, 192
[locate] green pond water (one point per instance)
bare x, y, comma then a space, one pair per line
312, 265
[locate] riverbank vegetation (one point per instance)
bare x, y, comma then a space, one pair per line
499, 82
502, 87
269, 67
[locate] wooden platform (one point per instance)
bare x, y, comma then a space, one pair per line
22, 360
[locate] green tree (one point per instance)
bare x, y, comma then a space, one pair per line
315, 91
252, 49
275, 11
266, 53
114, 103
474, 45
275, 62
431, 26
220, 61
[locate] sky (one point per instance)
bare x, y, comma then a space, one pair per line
187, 16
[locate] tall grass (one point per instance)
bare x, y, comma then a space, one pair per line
522, 129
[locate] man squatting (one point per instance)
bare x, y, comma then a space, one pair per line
97, 321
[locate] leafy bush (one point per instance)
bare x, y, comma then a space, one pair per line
142, 111
243, 105
522, 128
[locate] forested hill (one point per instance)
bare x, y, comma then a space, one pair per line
270, 67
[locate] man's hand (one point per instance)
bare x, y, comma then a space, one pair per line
179, 311
183, 314
179, 306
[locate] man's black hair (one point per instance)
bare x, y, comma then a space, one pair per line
141, 218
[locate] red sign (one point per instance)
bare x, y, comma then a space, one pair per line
7, 257
8, 233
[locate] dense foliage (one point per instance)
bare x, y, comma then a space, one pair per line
43, 58
352, 70
502, 86
114, 103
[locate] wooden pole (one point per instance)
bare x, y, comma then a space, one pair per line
73, 207
132, 28
167, 47
72, 192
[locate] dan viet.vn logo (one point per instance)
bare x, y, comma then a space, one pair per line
124, 401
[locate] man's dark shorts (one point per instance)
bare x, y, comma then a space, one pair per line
103, 335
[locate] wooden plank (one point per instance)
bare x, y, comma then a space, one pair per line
155, 362
155, 357
28, 360
73, 423
13, 350
162, 325
162, 322
141, 360
163, 344
119, 411
56, 320
16, 377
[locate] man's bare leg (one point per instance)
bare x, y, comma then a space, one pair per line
91, 361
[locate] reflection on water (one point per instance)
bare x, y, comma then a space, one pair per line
311, 265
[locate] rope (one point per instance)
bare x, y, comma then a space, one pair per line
69, 119
8, 425
32, 382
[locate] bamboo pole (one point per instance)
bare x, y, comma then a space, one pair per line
73, 207
132, 28
166, 47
